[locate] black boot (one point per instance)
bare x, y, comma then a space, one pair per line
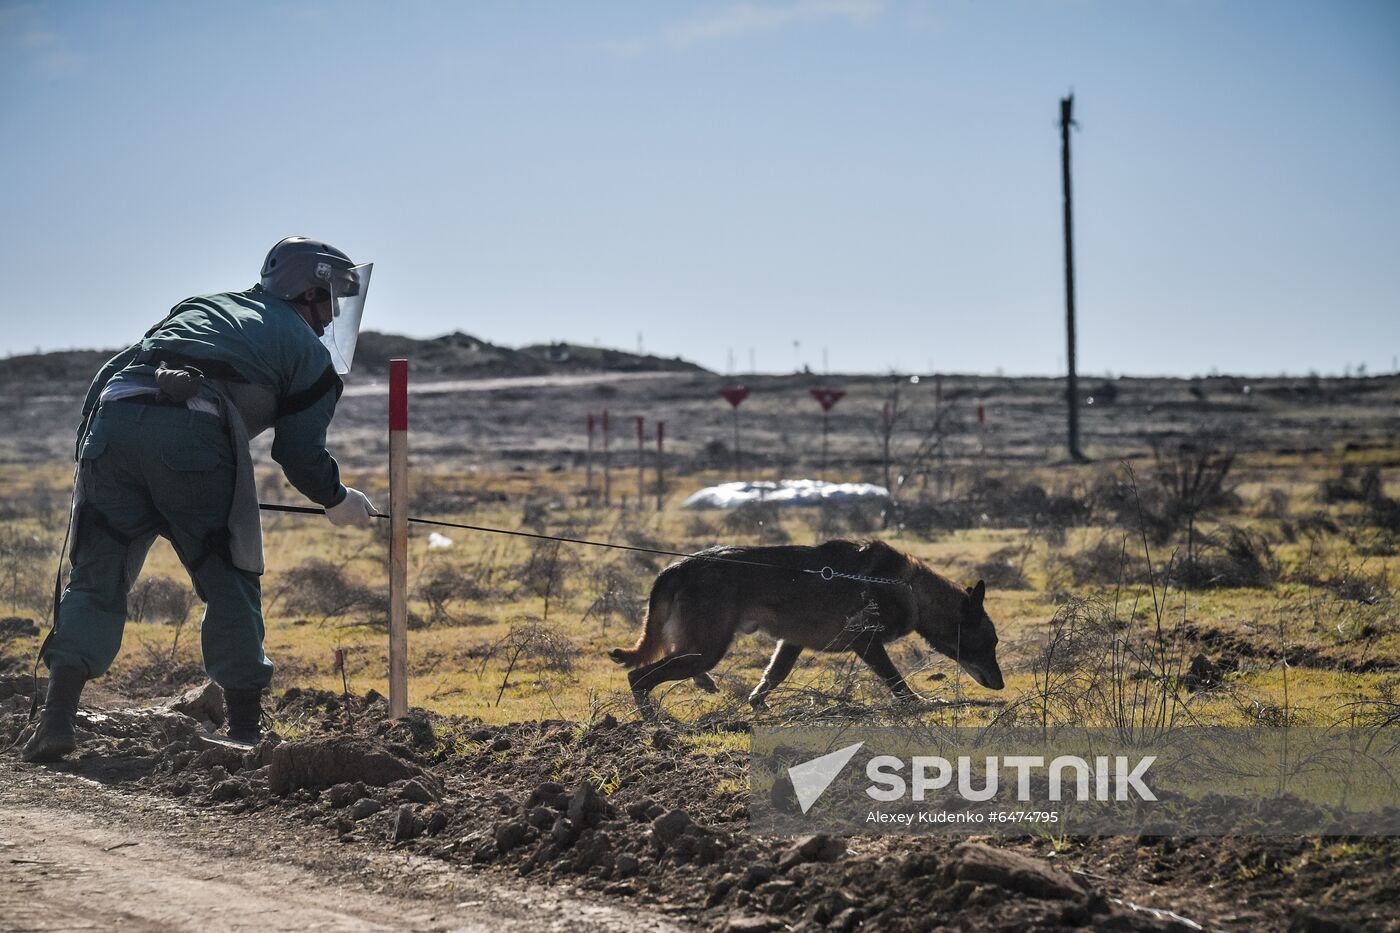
244, 714
54, 737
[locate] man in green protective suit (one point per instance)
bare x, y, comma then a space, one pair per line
163, 450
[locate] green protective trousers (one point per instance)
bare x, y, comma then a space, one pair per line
147, 470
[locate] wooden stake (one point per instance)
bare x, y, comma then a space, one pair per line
398, 538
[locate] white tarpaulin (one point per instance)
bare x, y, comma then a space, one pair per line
784, 492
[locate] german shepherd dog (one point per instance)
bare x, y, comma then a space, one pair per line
699, 603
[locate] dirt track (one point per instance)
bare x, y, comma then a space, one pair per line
75, 855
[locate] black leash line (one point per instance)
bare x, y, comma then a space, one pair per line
826, 573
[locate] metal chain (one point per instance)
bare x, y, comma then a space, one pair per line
827, 574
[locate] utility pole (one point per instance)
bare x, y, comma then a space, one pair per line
1072, 378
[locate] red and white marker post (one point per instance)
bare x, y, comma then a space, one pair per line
827, 399
398, 538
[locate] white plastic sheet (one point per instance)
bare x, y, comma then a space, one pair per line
784, 492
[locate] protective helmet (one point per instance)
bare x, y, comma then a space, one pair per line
296, 264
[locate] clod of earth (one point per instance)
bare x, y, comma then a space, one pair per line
364, 807
407, 825
324, 762
1013, 871
668, 828
510, 834
420, 790
586, 808
815, 848
230, 789
204, 704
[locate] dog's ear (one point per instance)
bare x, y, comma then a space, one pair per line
978, 593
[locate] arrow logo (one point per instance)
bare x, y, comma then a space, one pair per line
811, 778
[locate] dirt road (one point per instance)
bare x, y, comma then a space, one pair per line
75, 855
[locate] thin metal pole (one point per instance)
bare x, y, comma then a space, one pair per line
398, 538
826, 430
660, 482
1071, 376
641, 467
588, 462
607, 463
737, 475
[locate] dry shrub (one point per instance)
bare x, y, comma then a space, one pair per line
1381, 711
38, 501
546, 568
844, 520
617, 595
1272, 504
536, 642
443, 586
1352, 485
930, 520
26, 571
715, 455
1106, 562
1353, 583
1097, 670
699, 529
757, 520
161, 599
1242, 559
531, 641
317, 587
1313, 526
1004, 569
439, 501
1189, 481
536, 513
1000, 503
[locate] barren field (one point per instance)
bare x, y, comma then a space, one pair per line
1250, 520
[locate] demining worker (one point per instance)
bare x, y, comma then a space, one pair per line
163, 450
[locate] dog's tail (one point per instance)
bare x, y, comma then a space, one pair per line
652, 645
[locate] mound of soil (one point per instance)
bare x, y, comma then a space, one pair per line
635, 812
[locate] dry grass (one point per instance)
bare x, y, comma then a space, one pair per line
1293, 598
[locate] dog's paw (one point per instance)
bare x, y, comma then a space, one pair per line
705, 682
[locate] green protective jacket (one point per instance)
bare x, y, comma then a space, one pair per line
264, 368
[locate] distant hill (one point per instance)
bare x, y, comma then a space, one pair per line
454, 356
458, 355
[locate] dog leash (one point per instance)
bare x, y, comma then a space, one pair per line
826, 573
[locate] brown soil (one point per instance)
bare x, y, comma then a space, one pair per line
389, 822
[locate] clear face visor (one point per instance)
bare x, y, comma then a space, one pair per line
348, 288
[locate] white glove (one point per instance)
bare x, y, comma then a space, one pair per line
355, 509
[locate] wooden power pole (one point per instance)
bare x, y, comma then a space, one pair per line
1072, 377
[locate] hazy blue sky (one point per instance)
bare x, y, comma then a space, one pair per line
877, 177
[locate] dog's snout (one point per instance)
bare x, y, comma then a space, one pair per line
988, 676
